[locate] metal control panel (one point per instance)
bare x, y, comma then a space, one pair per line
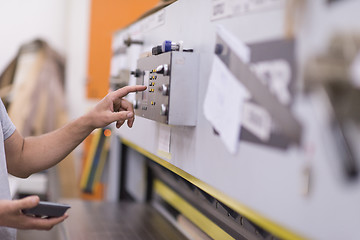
172, 88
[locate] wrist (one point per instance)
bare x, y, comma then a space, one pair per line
87, 122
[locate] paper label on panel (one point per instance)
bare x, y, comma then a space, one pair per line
220, 9
164, 141
256, 5
257, 120
229, 8
223, 104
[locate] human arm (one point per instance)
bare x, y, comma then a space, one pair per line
25, 156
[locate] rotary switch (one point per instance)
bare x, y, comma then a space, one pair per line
165, 89
164, 69
164, 110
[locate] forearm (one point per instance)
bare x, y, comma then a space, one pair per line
42, 152
33, 154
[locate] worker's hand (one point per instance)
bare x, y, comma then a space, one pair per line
114, 108
11, 215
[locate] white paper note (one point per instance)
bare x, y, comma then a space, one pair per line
223, 104
164, 141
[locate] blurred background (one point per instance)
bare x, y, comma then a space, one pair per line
74, 38
259, 139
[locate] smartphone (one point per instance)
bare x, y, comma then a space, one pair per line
47, 210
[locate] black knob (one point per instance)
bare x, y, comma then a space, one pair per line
137, 73
156, 50
130, 41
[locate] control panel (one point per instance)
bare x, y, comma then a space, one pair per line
172, 88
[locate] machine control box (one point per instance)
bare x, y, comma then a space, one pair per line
172, 88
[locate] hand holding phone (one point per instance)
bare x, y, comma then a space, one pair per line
47, 210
